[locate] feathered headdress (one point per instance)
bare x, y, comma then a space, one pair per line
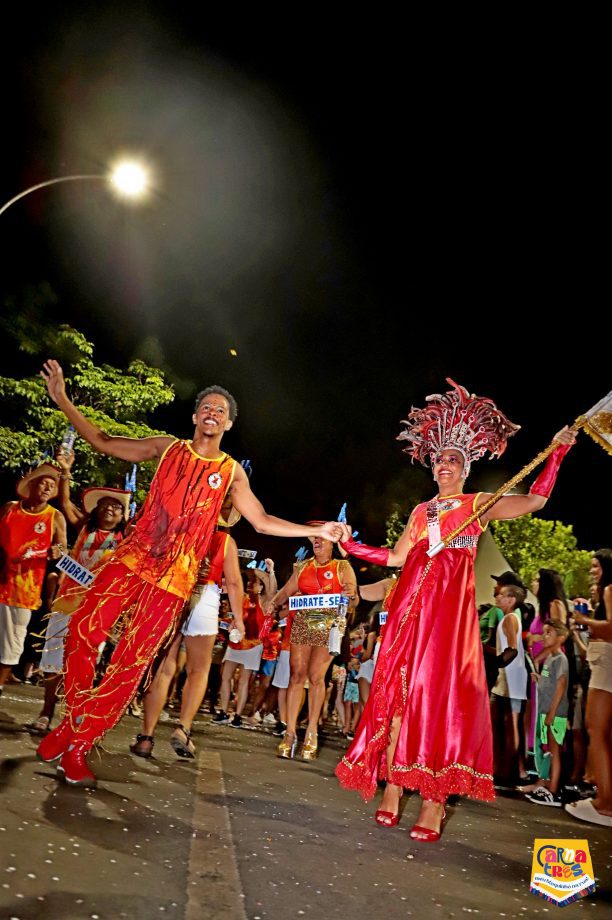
458, 420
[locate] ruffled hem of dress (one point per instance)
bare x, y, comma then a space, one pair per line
356, 778
456, 779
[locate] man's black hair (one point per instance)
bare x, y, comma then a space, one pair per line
220, 391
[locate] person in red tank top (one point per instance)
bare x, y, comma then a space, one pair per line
426, 724
153, 571
31, 532
310, 656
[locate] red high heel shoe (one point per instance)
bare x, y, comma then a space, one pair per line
426, 834
388, 818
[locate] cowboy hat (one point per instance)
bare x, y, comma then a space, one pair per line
44, 469
91, 497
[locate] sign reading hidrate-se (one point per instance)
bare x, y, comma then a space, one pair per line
314, 601
74, 570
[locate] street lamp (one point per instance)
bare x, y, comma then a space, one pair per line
128, 178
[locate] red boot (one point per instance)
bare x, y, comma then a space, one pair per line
74, 767
56, 742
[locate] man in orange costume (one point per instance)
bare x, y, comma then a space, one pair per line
31, 531
152, 573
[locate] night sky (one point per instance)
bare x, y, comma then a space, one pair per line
359, 209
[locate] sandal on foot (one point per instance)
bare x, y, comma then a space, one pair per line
143, 746
181, 742
426, 834
40, 727
388, 818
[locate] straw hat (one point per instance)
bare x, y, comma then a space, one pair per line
92, 496
45, 469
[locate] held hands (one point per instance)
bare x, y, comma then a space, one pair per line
346, 532
332, 531
53, 376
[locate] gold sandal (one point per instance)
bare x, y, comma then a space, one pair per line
310, 747
287, 746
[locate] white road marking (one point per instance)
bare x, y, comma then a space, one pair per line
214, 888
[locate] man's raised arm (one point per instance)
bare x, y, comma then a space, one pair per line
133, 449
251, 508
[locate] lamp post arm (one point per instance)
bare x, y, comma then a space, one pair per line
33, 188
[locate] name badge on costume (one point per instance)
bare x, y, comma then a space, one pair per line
247, 553
382, 617
315, 602
75, 570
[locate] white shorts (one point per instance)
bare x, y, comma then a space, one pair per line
52, 659
13, 630
203, 617
283, 671
599, 657
249, 658
366, 671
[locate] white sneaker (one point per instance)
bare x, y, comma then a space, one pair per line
255, 718
269, 719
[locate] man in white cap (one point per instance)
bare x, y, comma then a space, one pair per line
31, 532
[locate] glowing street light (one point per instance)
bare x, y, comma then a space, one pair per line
127, 178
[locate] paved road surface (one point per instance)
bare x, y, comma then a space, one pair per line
238, 833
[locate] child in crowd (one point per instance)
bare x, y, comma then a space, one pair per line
551, 724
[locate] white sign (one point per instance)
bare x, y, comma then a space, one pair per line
316, 601
382, 617
247, 553
75, 570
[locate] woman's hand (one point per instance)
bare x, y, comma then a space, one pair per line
346, 532
567, 435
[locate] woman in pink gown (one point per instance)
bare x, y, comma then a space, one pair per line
426, 725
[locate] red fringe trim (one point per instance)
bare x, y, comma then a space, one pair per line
453, 780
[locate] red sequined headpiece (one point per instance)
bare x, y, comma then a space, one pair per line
458, 420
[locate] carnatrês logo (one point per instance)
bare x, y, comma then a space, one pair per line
562, 870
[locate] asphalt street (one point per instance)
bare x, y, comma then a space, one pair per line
238, 833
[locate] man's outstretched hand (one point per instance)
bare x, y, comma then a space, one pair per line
53, 376
331, 530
